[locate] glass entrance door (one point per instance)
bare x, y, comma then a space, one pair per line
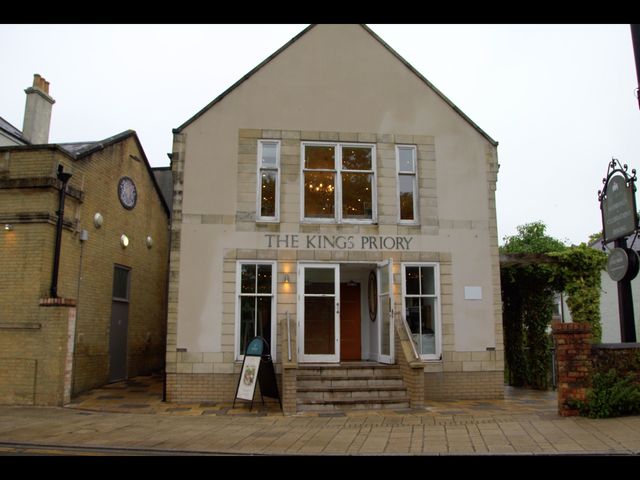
319, 307
385, 311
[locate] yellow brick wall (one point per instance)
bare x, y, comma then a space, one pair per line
28, 256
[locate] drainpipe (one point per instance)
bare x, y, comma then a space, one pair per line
64, 178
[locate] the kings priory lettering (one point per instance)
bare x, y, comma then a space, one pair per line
338, 242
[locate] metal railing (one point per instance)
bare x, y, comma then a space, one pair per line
288, 336
408, 332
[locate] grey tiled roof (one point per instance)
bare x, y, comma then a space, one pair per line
11, 130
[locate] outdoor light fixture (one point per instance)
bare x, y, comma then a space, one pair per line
286, 278
149, 241
97, 220
8, 227
124, 241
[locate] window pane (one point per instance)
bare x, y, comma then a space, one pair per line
412, 280
420, 315
319, 157
405, 160
427, 325
319, 280
263, 309
264, 278
269, 153
412, 314
248, 279
356, 158
427, 281
405, 185
247, 319
121, 283
356, 195
268, 179
319, 325
319, 193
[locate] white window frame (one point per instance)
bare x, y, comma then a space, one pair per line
274, 299
414, 173
338, 170
261, 167
437, 314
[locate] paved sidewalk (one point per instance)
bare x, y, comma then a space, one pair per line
137, 422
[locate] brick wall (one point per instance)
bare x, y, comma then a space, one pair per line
573, 356
29, 201
463, 385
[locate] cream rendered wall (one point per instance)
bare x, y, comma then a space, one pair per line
335, 78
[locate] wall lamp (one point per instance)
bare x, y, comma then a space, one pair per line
8, 227
286, 278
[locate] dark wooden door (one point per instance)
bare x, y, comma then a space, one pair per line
350, 322
119, 324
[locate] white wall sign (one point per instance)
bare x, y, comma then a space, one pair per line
473, 293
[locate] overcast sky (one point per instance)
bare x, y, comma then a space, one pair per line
559, 99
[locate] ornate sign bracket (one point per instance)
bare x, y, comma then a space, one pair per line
618, 203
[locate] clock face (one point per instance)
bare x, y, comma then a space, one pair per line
127, 193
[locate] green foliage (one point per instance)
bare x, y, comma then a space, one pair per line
611, 395
531, 238
579, 275
528, 292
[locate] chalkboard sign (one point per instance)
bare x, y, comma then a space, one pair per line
257, 367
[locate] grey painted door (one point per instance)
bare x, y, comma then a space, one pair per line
119, 324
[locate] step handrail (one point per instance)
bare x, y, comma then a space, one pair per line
408, 332
288, 336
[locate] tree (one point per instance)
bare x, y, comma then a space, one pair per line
528, 289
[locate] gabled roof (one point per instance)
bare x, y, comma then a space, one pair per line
12, 131
382, 42
79, 150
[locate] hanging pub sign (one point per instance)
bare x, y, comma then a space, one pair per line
257, 367
618, 203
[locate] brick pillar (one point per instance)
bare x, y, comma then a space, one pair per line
573, 357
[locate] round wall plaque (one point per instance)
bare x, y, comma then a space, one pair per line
127, 193
372, 296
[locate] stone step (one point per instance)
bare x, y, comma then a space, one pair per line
350, 386
345, 393
342, 381
352, 404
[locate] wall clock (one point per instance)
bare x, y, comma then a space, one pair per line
127, 193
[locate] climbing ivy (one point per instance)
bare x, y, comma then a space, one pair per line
578, 274
528, 290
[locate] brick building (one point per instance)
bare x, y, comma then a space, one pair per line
88, 306
334, 202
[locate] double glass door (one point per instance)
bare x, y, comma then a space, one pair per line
319, 313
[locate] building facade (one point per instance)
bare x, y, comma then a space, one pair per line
337, 204
82, 301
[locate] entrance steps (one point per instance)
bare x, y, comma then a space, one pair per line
350, 386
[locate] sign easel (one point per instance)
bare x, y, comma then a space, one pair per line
257, 367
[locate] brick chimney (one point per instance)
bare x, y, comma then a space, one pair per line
37, 112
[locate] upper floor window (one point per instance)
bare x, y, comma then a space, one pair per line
268, 195
407, 184
338, 181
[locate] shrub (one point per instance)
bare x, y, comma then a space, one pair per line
611, 395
